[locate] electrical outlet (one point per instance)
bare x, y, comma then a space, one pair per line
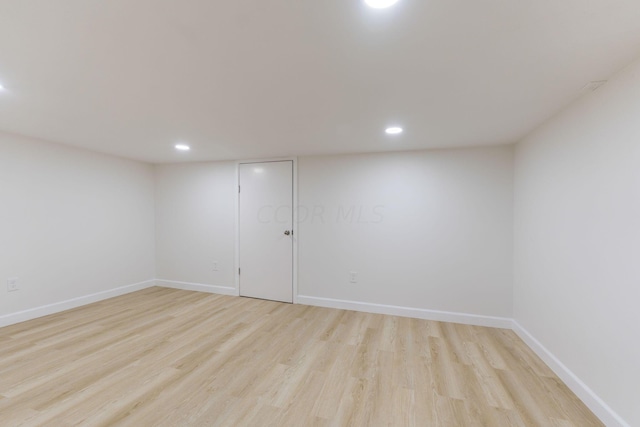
353, 277
215, 266
12, 284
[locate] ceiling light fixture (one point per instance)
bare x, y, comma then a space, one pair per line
394, 130
1, 87
380, 4
182, 147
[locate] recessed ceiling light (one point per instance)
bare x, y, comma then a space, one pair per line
182, 147
1, 87
380, 4
393, 130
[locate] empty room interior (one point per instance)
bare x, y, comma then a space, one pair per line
320, 213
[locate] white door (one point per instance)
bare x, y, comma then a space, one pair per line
266, 230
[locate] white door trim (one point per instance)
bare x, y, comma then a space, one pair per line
296, 234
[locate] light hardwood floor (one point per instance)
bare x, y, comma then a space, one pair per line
165, 357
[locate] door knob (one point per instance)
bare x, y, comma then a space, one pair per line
286, 233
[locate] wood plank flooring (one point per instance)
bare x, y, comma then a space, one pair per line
165, 357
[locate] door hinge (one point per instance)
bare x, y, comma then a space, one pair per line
238, 272
238, 189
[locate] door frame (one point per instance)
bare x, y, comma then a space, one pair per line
296, 234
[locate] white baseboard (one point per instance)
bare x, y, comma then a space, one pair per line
198, 287
45, 310
419, 313
603, 411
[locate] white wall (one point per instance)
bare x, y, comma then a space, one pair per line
195, 222
429, 229
577, 248
72, 222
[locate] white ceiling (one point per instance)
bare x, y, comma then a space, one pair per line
260, 78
